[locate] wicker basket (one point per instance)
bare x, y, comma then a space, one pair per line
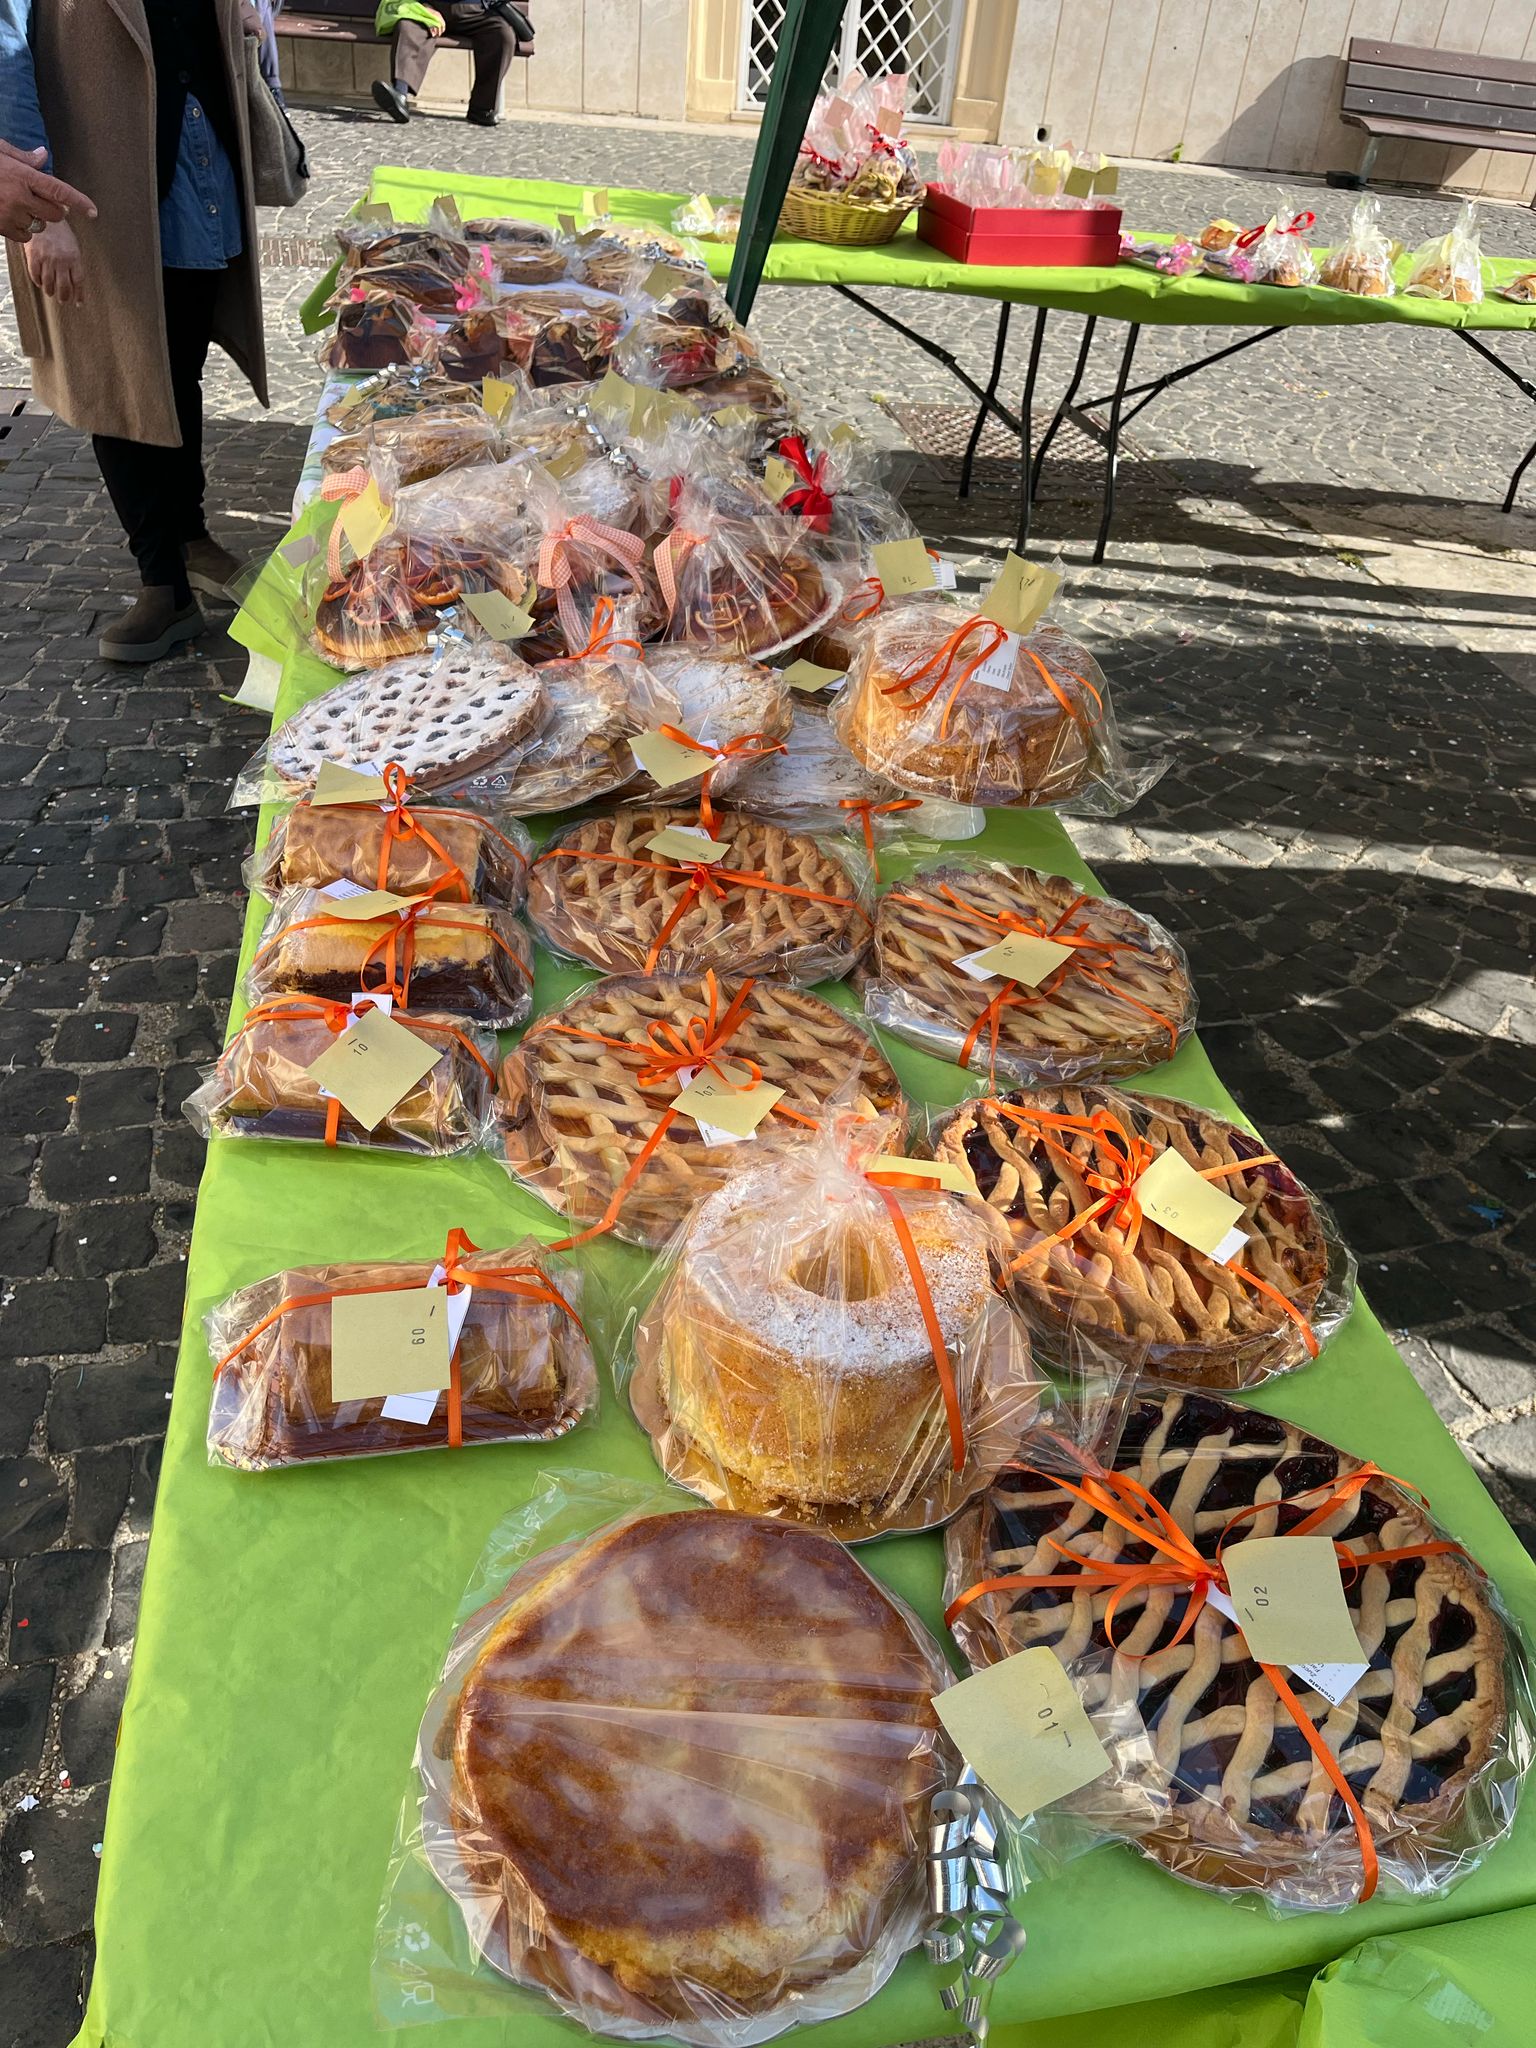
852, 223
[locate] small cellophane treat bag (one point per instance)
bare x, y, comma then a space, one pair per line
461, 960
523, 251
826, 1343
408, 847
691, 337
588, 561
421, 445
420, 264
735, 574
560, 333
618, 256
1025, 977
1276, 251
437, 716
391, 601
1102, 1201
947, 702
1450, 266
262, 1087
377, 333
395, 394
587, 1108
813, 784
755, 390
773, 902
736, 710
1362, 263
306, 1368
672, 1783
1389, 1767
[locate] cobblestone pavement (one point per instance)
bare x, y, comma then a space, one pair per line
1340, 840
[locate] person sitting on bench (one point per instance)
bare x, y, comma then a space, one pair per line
495, 31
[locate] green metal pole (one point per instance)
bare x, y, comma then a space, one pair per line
805, 43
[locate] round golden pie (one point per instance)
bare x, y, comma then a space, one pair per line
1140, 1293
681, 1786
583, 1095
1120, 1002
1210, 1774
775, 903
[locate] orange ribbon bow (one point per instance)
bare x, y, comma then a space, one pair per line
557, 570
1177, 1563
950, 650
601, 641
746, 747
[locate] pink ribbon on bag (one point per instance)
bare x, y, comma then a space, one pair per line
351, 483
670, 557
557, 572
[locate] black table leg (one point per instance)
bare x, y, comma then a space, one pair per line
1514, 483
1026, 431
1112, 450
986, 404
1068, 395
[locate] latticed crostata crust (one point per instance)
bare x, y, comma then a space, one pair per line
599, 893
575, 1114
1160, 1306
1111, 1009
1212, 1775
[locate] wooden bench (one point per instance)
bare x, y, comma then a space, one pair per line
342, 21
1435, 96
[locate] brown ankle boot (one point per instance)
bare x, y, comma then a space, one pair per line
153, 624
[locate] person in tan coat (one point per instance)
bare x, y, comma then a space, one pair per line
142, 104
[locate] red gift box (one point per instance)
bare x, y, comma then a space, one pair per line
1044, 237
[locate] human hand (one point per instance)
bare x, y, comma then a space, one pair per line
54, 265
437, 25
28, 194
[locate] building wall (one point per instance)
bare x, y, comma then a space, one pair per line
1250, 83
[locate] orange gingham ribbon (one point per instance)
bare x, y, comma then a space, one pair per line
557, 571
746, 747
347, 485
696, 1042
527, 1283
337, 1017
703, 880
1120, 1159
669, 559
1010, 996
1179, 1564
395, 949
868, 810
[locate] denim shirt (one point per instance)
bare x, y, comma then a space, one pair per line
200, 220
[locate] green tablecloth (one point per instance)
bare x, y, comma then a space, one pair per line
293, 1624
1119, 293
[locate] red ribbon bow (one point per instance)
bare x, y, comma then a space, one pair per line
809, 498
1298, 226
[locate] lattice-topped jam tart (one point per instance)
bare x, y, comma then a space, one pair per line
1210, 1774
1054, 1166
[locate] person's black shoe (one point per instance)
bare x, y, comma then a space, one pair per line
478, 120
393, 103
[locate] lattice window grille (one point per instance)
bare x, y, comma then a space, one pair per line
920, 37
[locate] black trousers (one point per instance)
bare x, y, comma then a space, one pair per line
492, 45
157, 493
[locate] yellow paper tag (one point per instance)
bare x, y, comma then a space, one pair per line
389, 1343
615, 394
368, 903
810, 675
376, 209
1021, 957
1079, 183
844, 431
725, 1104
364, 519
944, 1173
735, 416
1193, 1210
567, 223
665, 761
704, 207
779, 477
569, 459
1022, 1728
663, 278
1106, 183
1290, 1601
371, 1066
337, 785
903, 566
678, 843
497, 396
448, 206
1019, 594
497, 614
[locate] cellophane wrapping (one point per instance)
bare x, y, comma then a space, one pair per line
422, 264
459, 960
584, 1113
524, 1366
815, 785
1450, 266
673, 1779
690, 336
398, 393
1210, 1774
1279, 253
737, 708
736, 574
377, 333
560, 333
419, 445
1121, 1001
618, 256
779, 903
260, 1085
847, 149
945, 704
523, 251
588, 560
1362, 263
786, 1361
452, 851
1053, 1166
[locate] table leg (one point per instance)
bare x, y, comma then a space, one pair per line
1524, 384
932, 348
985, 406
1026, 432
1514, 483
1112, 450
1065, 406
